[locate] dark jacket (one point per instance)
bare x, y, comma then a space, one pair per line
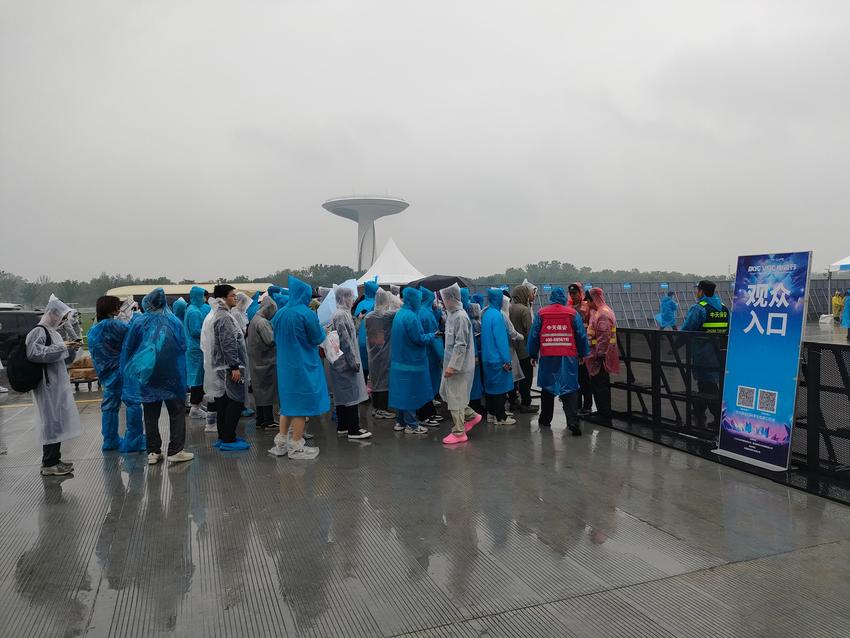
521, 319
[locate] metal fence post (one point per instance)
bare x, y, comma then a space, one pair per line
655, 366
813, 409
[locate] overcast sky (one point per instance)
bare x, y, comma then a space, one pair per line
199, 139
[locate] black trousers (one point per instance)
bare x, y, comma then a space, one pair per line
176, 425
585, 390
496, 406
569, 403
265, 415
701, 404
601, 385
348, 418
426, 411
380, 399
50, 454
476, 405
196, 394
228, 412
523, 387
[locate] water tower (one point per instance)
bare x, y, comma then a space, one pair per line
364, 211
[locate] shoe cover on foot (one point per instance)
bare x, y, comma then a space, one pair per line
236, 446
111, 444
218, 443
451, 439
133, 444
472, 423
248, 412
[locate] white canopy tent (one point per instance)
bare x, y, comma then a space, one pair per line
391, 267
840, 265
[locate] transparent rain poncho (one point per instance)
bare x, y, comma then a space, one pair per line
346, 375
379, 324
459, 351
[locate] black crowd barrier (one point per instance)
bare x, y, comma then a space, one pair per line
665, 383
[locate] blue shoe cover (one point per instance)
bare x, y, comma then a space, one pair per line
239, 438
236, 446
218, 443
248, 412
136, 444
112, 443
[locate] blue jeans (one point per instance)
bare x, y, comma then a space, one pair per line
407, 418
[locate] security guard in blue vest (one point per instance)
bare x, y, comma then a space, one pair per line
710, 316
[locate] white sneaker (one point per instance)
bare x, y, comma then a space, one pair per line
491, 418
398, 427
279, 450
507, 421
181, 456
3, 390
154, 458
364, 434
388, 415
419, 429
210, 427
197, 413
304, 452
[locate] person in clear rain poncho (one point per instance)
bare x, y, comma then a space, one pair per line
224, 344
153, 368
515, 338
346, 372
301, 383
105, 342
458, 366
476, 394
58, 417
193, 321
379, 325
240, 313
262, 358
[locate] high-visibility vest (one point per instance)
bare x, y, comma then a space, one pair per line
716, 321
557, 335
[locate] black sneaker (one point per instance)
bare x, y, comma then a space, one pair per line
431, 423
575, 431
56, 470
528, 409
342, 432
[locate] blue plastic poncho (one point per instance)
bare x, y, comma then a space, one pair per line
366, 305
410, 381
179, 308
301, 380
153, 360
666, 317
495, 347
477, 298
706, 365
254, 307
105, 340
477, 386
193, 322
430, 325
845, 316
464, 299
558, 375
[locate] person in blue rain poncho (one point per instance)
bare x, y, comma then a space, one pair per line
302, 388
254, 307
666, 317
497, 376
556, 343
105, 341
366, 305
845, 315
153, 367
193, 321
410, 379
427, 413
179, 308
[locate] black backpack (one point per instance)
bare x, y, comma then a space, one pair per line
25, 375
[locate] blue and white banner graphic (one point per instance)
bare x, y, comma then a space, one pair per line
763, 358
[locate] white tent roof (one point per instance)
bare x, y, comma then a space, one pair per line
392, 267
843, 264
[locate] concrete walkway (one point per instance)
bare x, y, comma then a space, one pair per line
519, 532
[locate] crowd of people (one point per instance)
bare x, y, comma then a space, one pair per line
223, 355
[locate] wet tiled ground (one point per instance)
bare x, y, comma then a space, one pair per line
519, 532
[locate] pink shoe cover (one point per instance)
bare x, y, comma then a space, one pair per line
451, 439
471, 424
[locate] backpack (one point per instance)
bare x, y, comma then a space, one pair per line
25, 375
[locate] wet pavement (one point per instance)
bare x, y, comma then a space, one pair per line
519, 532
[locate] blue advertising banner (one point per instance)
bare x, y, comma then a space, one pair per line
664, 285
763, 359
627, 286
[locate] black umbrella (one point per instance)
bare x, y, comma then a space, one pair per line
436, 283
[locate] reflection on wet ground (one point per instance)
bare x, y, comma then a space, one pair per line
519, 532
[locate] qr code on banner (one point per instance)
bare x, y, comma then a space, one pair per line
746, 397
767, 401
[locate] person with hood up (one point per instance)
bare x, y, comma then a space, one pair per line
576, 300
604, 357
58, 417
179, 308
838, 301
105, 340
366, 305
262, 357
379, 325
522, 320
476, 394
710, 316
514, 337
153, 367
346, 372
427, 413
254, 308
556, 343
240, 313
129, 309
410, 379
496, 366
301, 383
193, 321
666, 317
224, 345
458, 366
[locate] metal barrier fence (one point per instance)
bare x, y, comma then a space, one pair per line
666, 378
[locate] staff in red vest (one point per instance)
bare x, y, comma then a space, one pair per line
556, 343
